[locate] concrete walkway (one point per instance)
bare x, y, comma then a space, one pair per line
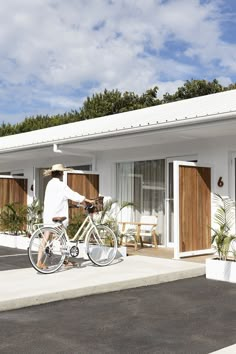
26, 287
228, 350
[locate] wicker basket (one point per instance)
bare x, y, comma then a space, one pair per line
98, 205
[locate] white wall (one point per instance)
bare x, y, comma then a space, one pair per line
212, 152
29, 174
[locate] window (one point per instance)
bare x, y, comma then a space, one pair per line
82, 167
13, 173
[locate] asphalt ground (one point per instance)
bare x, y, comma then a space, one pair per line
14, 258
70, 314
192, 316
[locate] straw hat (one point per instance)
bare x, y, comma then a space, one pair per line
57, 167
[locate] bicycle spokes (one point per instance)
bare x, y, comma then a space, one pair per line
47, 250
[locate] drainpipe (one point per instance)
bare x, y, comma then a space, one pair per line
94, 163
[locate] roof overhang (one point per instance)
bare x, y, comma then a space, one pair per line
87, 147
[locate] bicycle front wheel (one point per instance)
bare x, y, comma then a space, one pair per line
101, 245
47, 250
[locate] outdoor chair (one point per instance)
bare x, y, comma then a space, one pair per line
141, 231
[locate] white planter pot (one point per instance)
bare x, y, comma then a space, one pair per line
121, 251
21, 242
221, 270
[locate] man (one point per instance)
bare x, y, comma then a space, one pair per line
56, 199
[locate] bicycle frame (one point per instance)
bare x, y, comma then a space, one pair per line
87, 225
80, 236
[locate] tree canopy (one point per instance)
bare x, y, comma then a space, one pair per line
113, 102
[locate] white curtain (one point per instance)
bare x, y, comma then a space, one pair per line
125, 188
143, 183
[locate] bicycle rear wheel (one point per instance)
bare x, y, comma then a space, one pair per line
101, 245
47, 250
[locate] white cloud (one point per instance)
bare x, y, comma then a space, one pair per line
170, 87
51, 49
224, 80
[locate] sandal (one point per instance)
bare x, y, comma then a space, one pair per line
68, 263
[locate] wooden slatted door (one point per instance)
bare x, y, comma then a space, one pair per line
192, 199
13, 190
85, 184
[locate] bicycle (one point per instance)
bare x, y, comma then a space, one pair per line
54, 246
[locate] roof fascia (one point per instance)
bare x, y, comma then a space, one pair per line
162, 126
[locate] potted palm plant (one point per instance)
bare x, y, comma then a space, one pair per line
223, 266
109, 216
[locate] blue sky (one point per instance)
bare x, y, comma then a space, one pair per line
55, 53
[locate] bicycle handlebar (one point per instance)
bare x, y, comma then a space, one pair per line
96, 206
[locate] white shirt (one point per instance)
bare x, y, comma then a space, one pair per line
56, 200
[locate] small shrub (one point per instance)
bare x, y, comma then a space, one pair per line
74, 224
13, 218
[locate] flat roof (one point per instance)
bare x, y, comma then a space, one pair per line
196, 109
